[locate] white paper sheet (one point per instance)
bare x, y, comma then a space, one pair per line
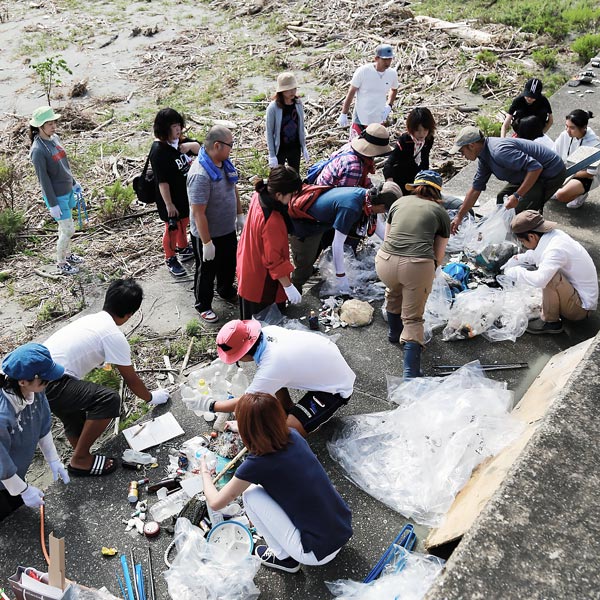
153, 432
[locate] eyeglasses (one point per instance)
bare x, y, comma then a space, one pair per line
42, 381
225, 143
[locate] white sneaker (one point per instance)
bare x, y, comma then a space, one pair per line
67, 269
578, 202
75, 259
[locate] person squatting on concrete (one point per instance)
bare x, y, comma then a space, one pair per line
533, 172
411, 150
56, 180
375, 86
531, 102
565, 272
416, 235
346, 211
216, 217
263, 259
285, 130
576, 134
171, 155
286, 492
86, 408
288, 359
25, 423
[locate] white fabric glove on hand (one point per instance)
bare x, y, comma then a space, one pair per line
33, 497
385, 113
342, 285
513, 261
305, 155
512, 273
200, 404
273, 162
159, 396
58, 470
343, 120
55, 212
293, 295
208, 251
240, 221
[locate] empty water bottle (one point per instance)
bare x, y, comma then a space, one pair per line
239, 383
218, 387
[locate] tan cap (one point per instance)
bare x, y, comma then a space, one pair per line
373, 141
467, 135
531, 220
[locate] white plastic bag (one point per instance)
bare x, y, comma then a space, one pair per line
203, 571
491, 229
417, 457
437, 309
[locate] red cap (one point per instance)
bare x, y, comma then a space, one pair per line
236, 338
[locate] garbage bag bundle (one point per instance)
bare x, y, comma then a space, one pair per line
456, 243
411, 582
203, 571
437, 309
491, 229
416, 458
493, 256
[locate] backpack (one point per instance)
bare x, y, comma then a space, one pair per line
304, 199
144, 185
315, 170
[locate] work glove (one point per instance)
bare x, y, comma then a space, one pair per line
199, 402
208, 251
273, 162
305, 155
159, 396
342, 286
58, 470
240, 221
292, 293
77, 189
513, 261
33, 497
512, 273
385, 113
55, 212
343, 120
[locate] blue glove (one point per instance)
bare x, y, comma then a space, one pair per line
77, 189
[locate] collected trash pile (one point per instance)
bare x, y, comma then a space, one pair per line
418, 456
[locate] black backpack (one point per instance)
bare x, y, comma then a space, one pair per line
144, 185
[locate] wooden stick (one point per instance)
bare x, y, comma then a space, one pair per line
230, 464
186, 358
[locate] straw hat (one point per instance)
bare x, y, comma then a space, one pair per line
373, 141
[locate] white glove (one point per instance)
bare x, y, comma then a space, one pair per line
208, 251
513, 261
55, 212
343, 120
292, 293
305, 155
273, 162
199, 403
159, 396
77, 189
240, 221
512, 273
385, 113
33, 497
58, 470
342, 286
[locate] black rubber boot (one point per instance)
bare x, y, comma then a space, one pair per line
394, 327
412, 360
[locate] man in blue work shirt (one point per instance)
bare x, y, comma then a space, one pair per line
533, 172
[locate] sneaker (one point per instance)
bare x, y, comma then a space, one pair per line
270, 560
75, 259
209, 316
175, 268
578, 202
67, 269
185, 254
538, 326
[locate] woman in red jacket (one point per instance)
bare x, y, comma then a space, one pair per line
263, 255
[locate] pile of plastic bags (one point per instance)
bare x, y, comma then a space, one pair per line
417, 457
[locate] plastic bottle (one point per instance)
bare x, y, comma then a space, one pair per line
222, 418
313, 321
239, 383
170, 506
218, 387
142, 458
202, 387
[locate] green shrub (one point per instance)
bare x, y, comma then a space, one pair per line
11, 223
107, 377
10, 179
117, 200
487, 57
489, 125
545, 57
586, 46
193, 328
481, 81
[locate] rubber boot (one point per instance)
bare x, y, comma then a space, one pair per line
394, 327
412, 360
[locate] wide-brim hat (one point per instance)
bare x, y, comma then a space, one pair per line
427, 177
286, 81
236, 338
373, 141
30, 361
531, 220
42, 115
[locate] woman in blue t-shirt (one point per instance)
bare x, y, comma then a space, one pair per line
287, 493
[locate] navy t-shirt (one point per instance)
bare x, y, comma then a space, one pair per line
296, 480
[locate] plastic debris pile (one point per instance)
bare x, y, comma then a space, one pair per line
417, 457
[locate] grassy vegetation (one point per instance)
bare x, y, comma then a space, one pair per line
11, 223
489, 125
117, 200
108, 377
587, 46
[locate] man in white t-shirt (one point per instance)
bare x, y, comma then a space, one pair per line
288, 359
86, 408
375, 86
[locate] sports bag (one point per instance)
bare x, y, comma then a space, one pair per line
301, 202
144, 185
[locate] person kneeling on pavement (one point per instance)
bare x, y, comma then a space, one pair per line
288, 358
286, 492
25, 422
565, 271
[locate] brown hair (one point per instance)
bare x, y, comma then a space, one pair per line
428, 193
421, 116
278, 97
262, 423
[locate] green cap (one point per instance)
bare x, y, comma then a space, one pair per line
42, 115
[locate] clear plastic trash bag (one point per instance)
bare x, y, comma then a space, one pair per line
491, 229
416, 458
456, 243
203, 571
437, 308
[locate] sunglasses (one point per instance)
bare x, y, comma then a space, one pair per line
225, 143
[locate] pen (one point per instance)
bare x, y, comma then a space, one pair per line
142, 427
